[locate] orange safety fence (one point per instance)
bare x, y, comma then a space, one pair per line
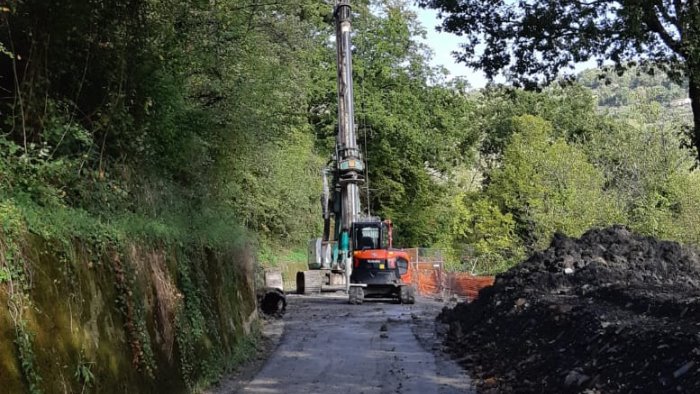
430, 279
433, 282
427, 280
467, 285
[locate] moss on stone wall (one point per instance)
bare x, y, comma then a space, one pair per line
127, 316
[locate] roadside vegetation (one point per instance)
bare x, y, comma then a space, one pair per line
193, 134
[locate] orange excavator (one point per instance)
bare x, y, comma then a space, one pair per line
358, 255
378, 269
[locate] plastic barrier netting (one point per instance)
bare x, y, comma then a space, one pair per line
430, 279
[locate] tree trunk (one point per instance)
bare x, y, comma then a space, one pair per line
694, 94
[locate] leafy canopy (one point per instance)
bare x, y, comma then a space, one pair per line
548, 184
536, 39
531, 41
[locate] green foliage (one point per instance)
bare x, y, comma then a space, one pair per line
190, 133
27, 357
190, 245
533, 41
130, 102
189, 324
83, 372
648, 186
412, 126
273, 190
633, 87
483, 234
203, 352
5, 274
646, 100
684, 197
618, 152
548, 184
570, 109
130, 305
174, 112
553, 164
13, 271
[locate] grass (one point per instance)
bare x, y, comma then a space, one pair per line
287, 260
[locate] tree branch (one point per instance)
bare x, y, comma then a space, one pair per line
18, 88
678, 8
592, 2
663, 10
652, 20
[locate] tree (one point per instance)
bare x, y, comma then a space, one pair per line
532, 41
656, 190
548, 185
486, 235
571, 110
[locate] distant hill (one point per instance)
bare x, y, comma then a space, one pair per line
635, 89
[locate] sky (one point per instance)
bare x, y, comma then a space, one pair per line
443, 44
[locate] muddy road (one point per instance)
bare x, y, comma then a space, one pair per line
378, 347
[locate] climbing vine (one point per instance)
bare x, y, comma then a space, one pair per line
189, 322
15, 277
134, 317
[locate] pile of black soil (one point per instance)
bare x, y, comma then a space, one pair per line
609, 312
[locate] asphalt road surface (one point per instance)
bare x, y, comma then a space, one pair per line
330, 346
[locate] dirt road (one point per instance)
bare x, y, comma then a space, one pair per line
379, 347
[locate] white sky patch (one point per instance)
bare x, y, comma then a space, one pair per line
443, 44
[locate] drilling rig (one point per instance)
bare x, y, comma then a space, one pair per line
355, 252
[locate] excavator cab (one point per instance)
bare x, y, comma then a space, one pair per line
371, 235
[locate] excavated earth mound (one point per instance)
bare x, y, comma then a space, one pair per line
609, 312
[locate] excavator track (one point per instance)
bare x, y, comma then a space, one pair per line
310, 282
